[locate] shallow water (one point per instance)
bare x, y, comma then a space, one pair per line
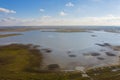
65, 44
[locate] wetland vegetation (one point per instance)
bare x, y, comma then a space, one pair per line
23, 62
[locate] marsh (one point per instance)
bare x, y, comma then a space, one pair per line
58, 44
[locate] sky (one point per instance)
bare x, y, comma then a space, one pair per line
59, 12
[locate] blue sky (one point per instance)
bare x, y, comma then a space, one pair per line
59, 12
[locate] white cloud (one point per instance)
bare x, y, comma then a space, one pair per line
46, 16
62, 13
48, 20
42, 10
7, 10
69, 4
12, 11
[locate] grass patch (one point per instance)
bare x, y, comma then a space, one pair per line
8, 35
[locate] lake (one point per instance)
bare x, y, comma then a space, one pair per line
71, 49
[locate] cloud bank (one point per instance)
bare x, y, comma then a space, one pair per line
48, 20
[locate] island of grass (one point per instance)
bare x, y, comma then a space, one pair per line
23, 62
8, 35
72, 30
17, 29
67, 30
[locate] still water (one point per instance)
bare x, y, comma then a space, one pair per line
68, 49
